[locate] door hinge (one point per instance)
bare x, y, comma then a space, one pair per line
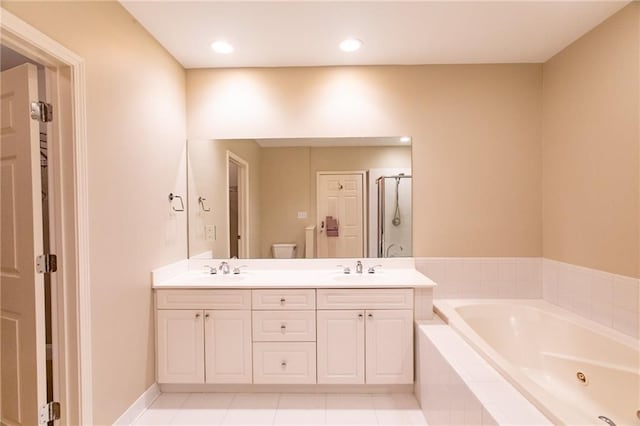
50, 412
46, 263
42, 111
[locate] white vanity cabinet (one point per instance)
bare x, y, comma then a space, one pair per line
180, 346
284, 336
276, 336
365, 336
203, 336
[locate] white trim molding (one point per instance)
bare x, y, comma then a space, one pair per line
141, 404
19, 34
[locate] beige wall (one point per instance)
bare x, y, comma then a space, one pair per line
136, 134
284, 191
288, 185
591, 148
208, 178
475, 129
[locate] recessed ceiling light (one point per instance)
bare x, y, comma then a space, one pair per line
350, 44
405, 139
222, 47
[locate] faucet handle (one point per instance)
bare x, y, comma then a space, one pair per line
236, 270
372, 269
345, 269
212, 269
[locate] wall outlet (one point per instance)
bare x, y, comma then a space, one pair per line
210, 232
302, 215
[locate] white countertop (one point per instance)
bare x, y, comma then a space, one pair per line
296, 278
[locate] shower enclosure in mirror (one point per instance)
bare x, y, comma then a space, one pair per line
299, 198
394, 219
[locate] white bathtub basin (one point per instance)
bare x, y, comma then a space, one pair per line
542, 349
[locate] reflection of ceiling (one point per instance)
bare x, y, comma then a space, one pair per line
326, 142
307, 33
10, 58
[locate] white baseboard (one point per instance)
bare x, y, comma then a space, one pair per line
139, 406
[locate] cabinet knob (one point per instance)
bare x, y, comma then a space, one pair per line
282, 300
206, 315
198, 315
283, 327
360, 315
370, 315
283, 364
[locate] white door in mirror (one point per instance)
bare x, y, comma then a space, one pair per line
340, 215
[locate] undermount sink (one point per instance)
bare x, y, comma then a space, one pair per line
365, 277
205, 278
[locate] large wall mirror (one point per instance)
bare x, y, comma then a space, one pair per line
300, 198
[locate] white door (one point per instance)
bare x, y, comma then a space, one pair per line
180, 341
389, 342
238, 206
228, 346
341, 196
22, 353
340, 347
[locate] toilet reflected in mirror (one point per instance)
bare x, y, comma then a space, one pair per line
283, 251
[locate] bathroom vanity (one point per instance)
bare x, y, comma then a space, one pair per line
289, 326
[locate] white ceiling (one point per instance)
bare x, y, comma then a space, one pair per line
307, 33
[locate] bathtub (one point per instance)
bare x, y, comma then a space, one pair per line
572, 369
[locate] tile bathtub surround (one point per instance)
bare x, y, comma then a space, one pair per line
609, 299
283, 409
456, 386
484, 277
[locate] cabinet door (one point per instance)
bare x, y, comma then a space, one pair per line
180, 346
389, 342
340, 346
228, 346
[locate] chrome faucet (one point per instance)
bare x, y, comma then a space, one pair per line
358, 267
224, 267
212, 269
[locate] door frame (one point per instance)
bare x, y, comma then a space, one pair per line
243, 205
69, 214
365, 203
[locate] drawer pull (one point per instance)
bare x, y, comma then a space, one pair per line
206, 316
283, 327
283, 364
282, 300
360, 316
198, 315
370, 315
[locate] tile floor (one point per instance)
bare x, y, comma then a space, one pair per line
283, 409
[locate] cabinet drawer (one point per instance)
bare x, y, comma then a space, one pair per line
284, 362
203, 299
401, 298
285, 299
284, 326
